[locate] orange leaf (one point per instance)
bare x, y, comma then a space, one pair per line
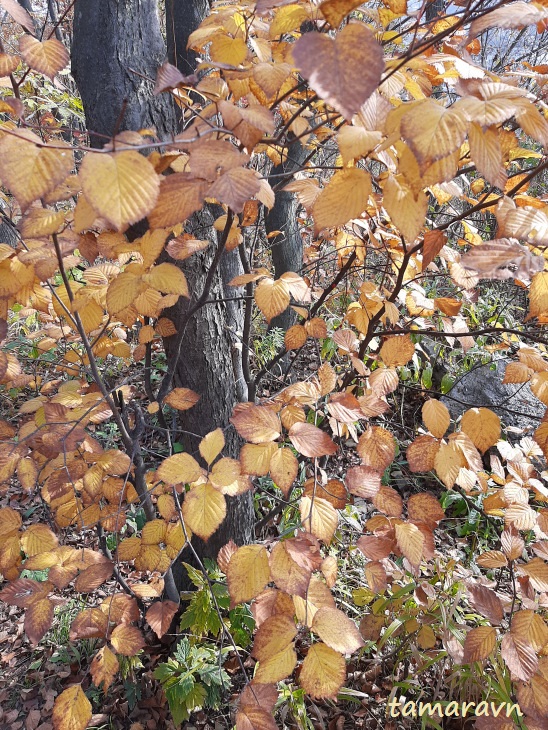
47, 57
104, 668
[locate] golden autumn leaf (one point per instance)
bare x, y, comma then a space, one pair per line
276, 666
538, 293
436, 417
295, 337
168, 279
204, 509
344, 197
47, 57
121, 187
247, 573
255, 458
211, 445
38, 619
376, 448
323, 672
433, 131
284, 468
337, 630
71, 709
334, 11
104, 668
448, 461
235, 187
482, 426
272, 297
182, 398
310, 441
127, 640
344, 71
290, 577
180, 195
319, 517
38, 539
406, 208
397, 351
258, 424
486, 152
479, 643
29, 169
179, 469
410, 541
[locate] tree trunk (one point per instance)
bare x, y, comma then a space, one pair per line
112, 39
287, 246
116, 51
182, 18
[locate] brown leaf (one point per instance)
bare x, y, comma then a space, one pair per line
344, 71
160, 615
310, 441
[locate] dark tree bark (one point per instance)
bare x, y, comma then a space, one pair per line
116, 51
182, 18
434, 9
287, 247
112, 39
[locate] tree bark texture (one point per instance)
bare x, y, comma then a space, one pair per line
182, 18
116, 51
287, 246
112, 38
206, 366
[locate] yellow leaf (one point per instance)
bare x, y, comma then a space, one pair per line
225, 49
486, 152
274, 634
295, 337
538, 293
344, 71
211, 445
235, 187
337, 630
38, 539
255, 458
277, 666
436, 417
38, 619
127, 640
323, 672
247, 573
104, 668
482, 426
406, 209
204, 509
376, 448
432, 131
410, 541
283, 469
319, 517
272, 297
356, 142
168, 279
47, 57
179, 469
448, 461
71, 709
344, 197
31, 171
121, 187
